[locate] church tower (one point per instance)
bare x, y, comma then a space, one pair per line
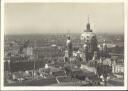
89, 41
69, 46
88, 26
69, 49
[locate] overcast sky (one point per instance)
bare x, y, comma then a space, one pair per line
31, 18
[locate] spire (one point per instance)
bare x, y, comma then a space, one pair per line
88, 25
88, 18
69, 44
68, 35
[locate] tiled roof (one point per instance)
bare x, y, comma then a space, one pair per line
59, 73
64, 79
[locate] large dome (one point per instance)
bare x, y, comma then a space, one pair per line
87, 36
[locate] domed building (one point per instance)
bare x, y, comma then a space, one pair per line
89, 42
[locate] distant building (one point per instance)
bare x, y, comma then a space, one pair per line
66, 53
116, 65
117, 69
28, 51
107, 61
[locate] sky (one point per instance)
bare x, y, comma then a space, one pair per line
39, 18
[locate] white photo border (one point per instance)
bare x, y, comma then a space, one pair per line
65, 87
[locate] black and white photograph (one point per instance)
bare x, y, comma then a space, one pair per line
64, 44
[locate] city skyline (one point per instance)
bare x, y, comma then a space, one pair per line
39, 18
